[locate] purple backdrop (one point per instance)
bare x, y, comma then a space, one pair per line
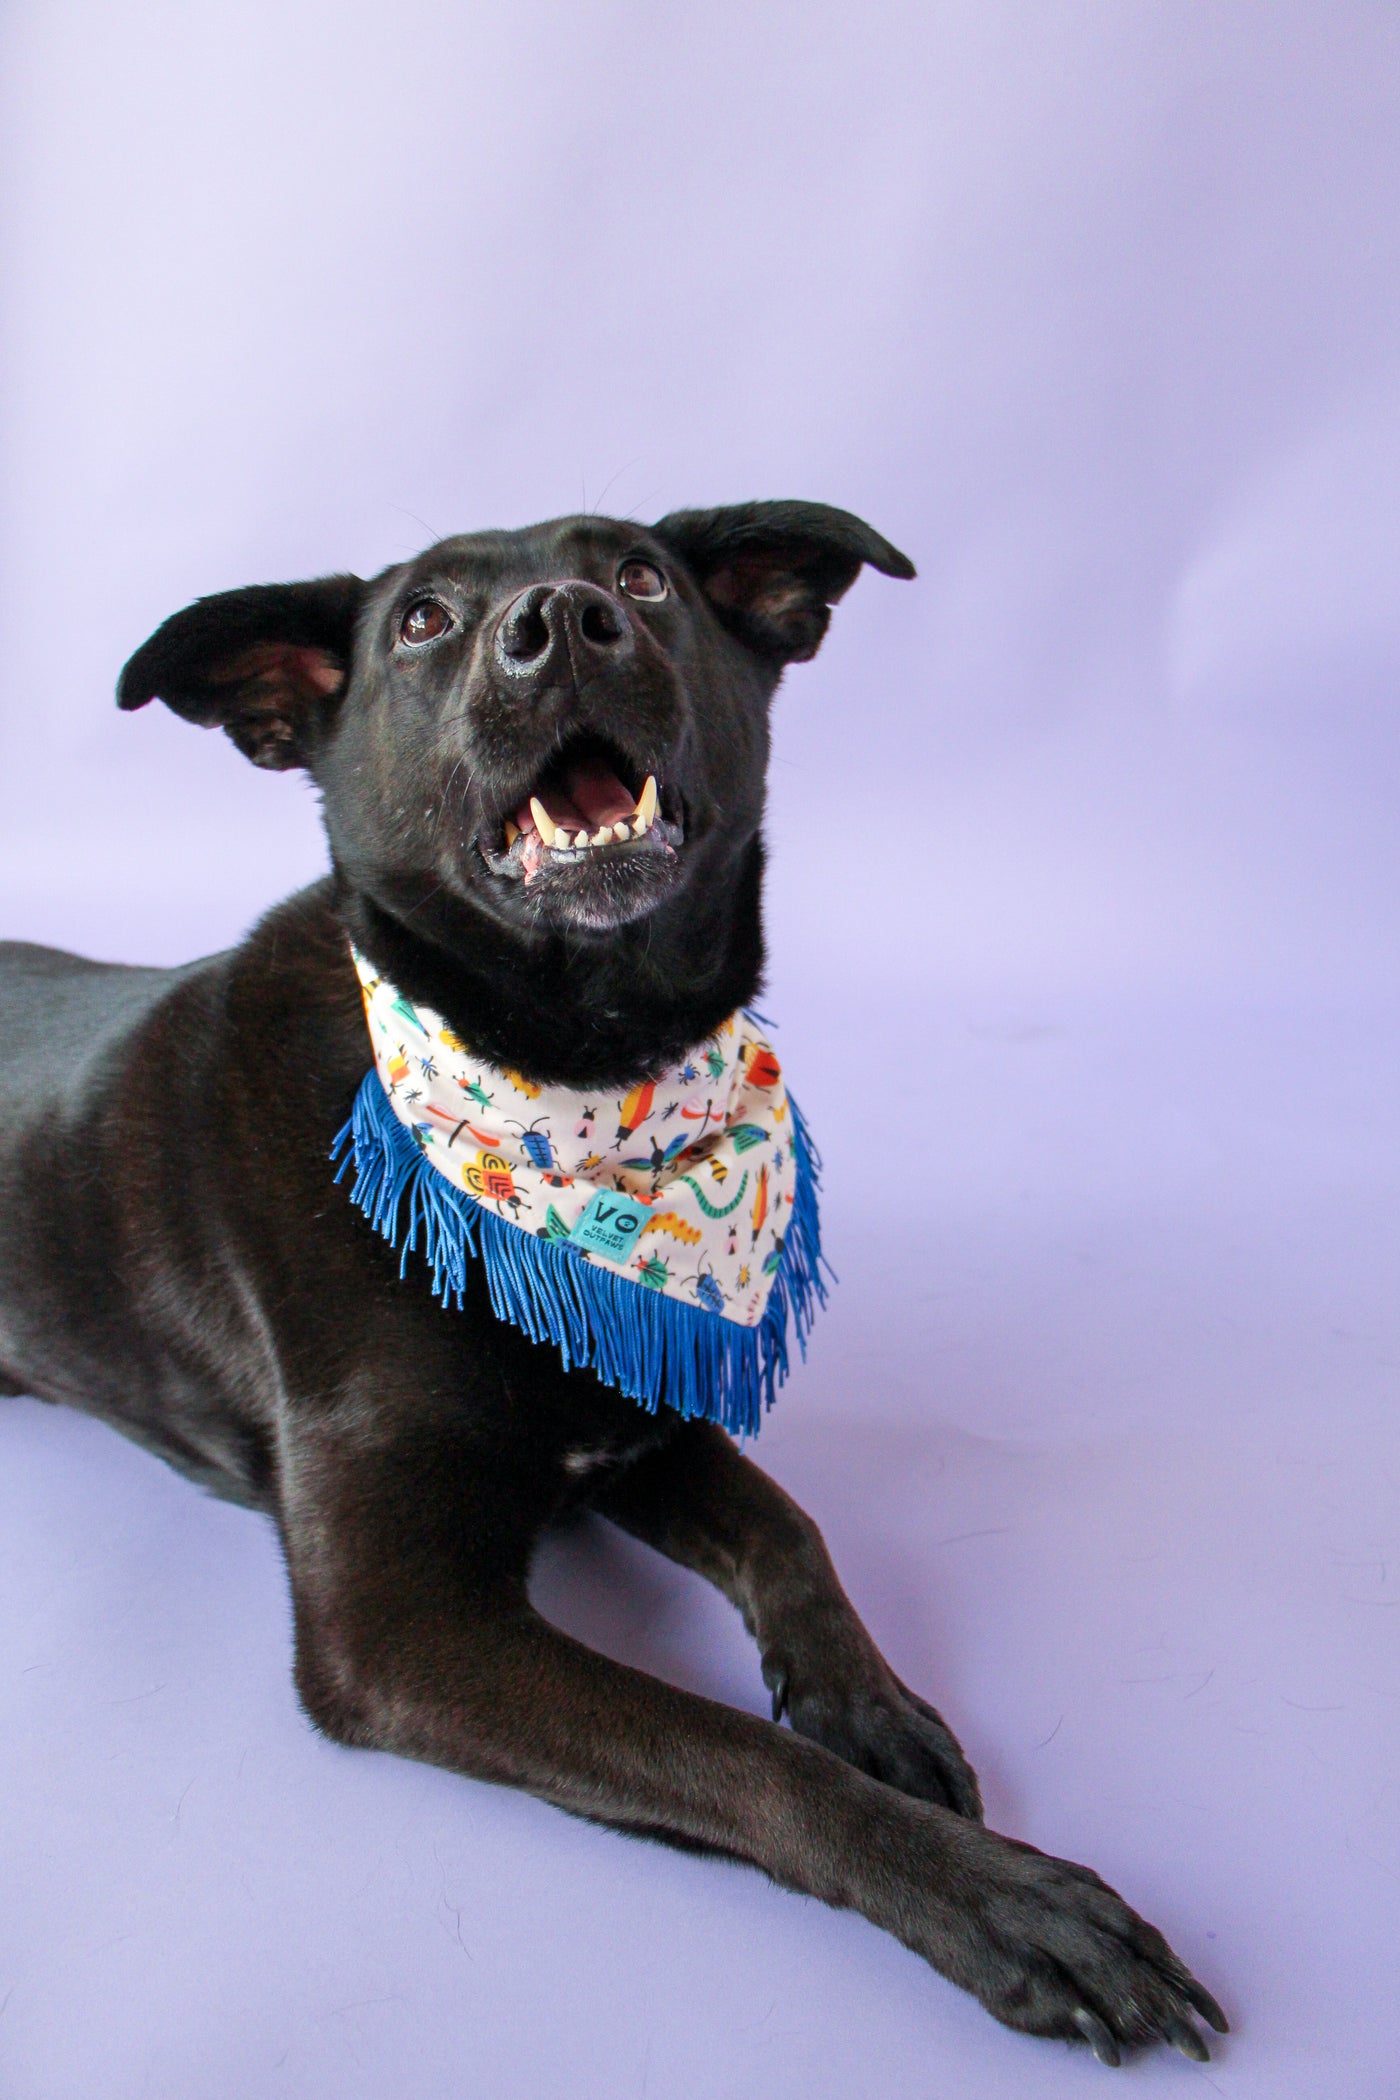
1084, 848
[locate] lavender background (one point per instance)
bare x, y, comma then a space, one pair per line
1084, 859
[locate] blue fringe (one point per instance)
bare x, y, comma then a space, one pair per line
653, 1348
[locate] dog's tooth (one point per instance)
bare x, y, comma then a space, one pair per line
640, 827
622, 831
544, 822
512, 834
601, 836
646, 801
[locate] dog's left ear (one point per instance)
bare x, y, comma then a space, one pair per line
264, 664
774, 570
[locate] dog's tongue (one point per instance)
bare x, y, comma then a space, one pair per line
590, 796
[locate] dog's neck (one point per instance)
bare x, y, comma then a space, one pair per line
573, 1011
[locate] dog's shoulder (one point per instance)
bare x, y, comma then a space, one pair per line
60, 1014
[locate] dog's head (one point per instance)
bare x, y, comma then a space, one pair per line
565, 726
562, 731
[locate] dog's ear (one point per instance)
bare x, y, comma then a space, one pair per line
264, 664
774, 570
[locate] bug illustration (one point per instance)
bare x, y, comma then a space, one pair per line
714, 1059
476, 1091
521, 1084
661, 1157
398, 1069
451, 1041
535, 1145
744, 1135
761, 1067
653, 1270
635, 1109
672, 1222
405, 1012
489, 1179
713, 1210
760, 1203
708, 1292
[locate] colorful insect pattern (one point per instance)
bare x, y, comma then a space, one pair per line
698, 1145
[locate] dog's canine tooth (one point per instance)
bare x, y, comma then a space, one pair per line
512, 833
544, 822
640, 827
646, 801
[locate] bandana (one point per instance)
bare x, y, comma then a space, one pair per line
667, 1238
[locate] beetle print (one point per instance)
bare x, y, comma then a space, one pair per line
489, 1178
761, 1067
536, 1145
709, 1292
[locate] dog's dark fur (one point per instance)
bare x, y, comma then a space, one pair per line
175, 1258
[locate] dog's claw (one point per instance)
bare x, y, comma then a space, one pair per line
1206, 2006
780, 1695
1183, 2036
1098, 2037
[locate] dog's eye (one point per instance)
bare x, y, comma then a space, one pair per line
424, 621
640, 580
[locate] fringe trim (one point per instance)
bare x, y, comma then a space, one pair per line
652, 1347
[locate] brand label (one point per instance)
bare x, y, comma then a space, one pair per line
610, 1226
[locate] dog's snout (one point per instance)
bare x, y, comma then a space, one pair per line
549, 629
523, 637
601, 620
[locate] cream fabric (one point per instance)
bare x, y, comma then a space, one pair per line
684, 1184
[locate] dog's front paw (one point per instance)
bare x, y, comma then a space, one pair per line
1050, 1949
872, 1721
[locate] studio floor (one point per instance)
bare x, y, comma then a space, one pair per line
1101, 1428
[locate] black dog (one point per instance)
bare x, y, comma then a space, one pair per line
175, 1258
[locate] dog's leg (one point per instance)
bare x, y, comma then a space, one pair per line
702, 1503
415, 1635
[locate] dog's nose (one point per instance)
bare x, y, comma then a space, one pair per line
551, 627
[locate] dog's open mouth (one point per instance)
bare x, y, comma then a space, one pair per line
586, 808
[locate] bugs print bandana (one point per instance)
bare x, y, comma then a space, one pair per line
667, 1237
